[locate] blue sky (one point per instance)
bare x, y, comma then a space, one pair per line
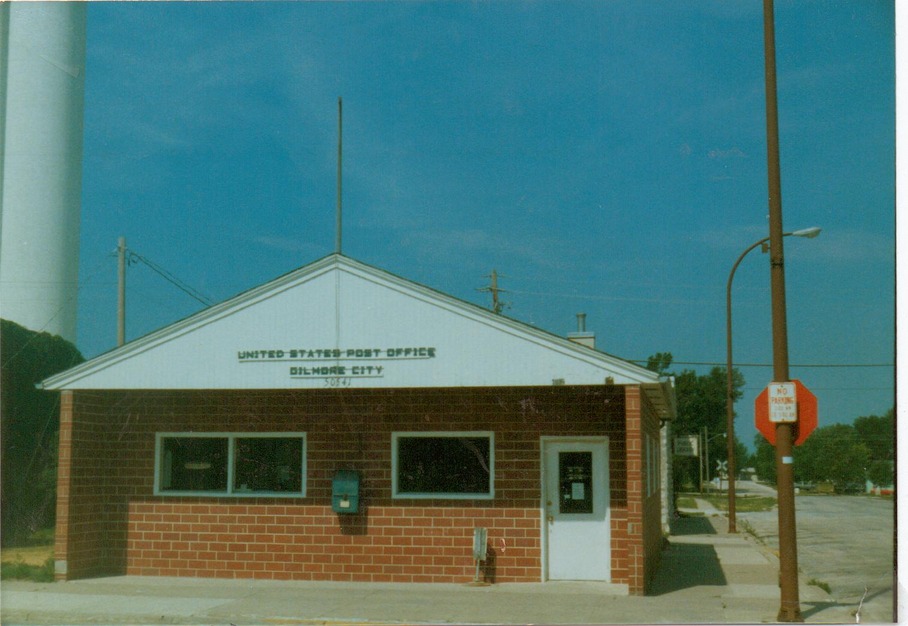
603, 157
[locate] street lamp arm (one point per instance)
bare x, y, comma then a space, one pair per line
734, 268
809, 233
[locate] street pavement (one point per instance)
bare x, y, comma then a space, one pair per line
706, 576
845, 542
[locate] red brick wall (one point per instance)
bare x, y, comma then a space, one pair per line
110, 521
90, 533
653, 537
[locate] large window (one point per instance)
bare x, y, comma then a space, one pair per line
241, 464
443, 465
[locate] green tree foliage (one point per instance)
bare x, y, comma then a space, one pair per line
701, 404
839, 453
660, 362
881, 473
835, 453
30, 423
878, 434
764, 460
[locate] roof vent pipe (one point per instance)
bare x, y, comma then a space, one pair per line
583, 337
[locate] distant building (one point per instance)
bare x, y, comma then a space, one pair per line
342, 423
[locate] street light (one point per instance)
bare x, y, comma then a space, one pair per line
809, 233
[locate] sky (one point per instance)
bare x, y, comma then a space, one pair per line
602, 157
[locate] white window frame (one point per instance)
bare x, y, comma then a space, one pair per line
231, 438
396, 494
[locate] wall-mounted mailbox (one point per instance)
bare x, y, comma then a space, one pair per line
345, 492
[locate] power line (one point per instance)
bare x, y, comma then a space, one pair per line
179, 284
824, 365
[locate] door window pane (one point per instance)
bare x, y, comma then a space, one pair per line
575, 476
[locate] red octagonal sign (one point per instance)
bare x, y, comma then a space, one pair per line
807, 414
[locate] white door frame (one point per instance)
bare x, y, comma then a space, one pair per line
543, 514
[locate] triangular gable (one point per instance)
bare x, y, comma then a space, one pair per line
338, 322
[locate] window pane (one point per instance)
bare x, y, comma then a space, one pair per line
575, 472
443, 465
268, 464
194, 464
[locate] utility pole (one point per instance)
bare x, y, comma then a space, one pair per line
497, 304
790, 610
121, 291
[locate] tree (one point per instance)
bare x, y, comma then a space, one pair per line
764, 459
839, 453
832, 453
878, 434
29, 420
659, 362
701, 404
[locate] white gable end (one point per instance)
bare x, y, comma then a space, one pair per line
339, 323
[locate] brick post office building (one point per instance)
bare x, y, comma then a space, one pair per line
342, 423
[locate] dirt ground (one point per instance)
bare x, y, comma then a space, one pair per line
34, 555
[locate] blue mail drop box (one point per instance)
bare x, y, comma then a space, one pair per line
345, 492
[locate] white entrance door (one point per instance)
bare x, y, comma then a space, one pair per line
576, 509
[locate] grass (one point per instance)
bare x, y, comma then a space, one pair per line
685, 502
30, 555
819, 583
743, 504
20, 570
743, 523
34, 561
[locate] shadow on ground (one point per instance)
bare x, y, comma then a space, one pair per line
686, 565
697, 525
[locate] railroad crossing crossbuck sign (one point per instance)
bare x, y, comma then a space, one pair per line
788, 402
722, 468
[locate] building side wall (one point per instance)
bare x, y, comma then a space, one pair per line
400, 540
651, 488
90, 533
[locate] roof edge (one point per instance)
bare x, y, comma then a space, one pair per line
312, 270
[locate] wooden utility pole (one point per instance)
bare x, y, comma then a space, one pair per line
790, 609
497, 304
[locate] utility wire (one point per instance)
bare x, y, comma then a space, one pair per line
645, 361
197, 295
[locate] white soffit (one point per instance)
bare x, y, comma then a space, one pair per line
341, 323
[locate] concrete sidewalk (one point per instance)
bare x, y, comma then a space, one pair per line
706, 576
